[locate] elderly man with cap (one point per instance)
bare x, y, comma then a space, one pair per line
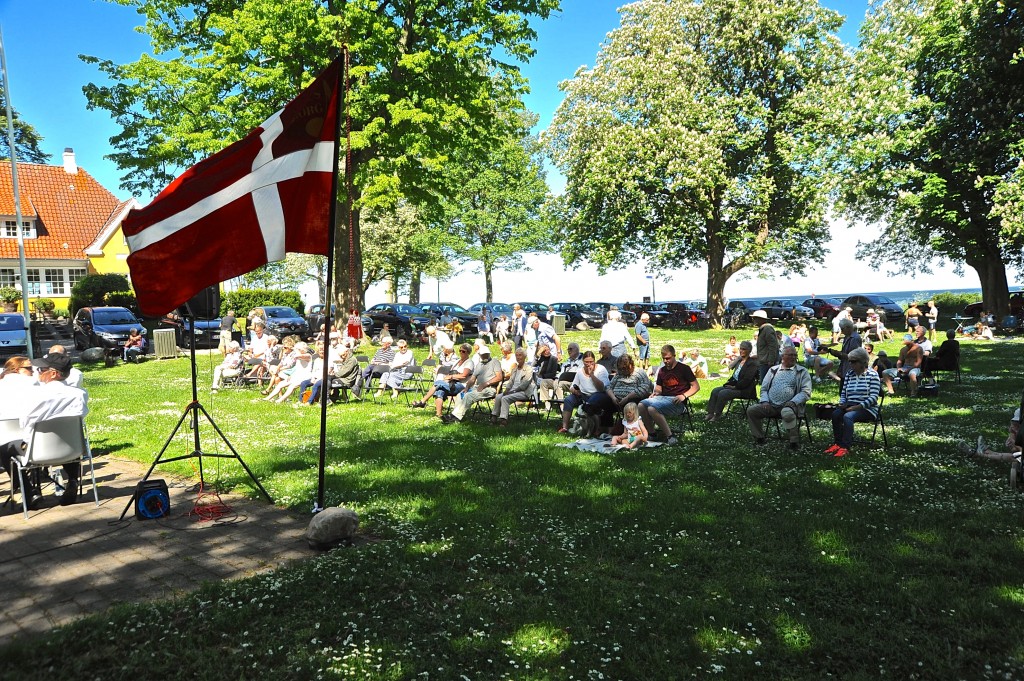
784, 392
482, 385
546, 336
767, 343
51, 399
851, 341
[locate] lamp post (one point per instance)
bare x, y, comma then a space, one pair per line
653, 299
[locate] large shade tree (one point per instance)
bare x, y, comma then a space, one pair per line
702, 135
428, 80
496, 215
27, 139
937, 117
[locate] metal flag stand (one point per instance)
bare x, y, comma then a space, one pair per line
193, 410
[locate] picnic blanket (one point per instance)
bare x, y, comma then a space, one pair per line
601, 445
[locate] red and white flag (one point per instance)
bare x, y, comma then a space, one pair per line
243, 207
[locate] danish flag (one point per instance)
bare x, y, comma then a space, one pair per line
266, 194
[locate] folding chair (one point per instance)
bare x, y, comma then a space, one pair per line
414, 383
54, 442
879, 422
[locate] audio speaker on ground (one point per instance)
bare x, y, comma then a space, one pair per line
151, 500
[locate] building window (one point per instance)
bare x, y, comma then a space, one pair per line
10, 230
76, 275
54, 282
33, 282
7, 277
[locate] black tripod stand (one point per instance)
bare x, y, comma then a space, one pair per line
193, 409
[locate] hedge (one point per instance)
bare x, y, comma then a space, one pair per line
243, 300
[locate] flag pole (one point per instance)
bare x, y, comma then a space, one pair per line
17, 204
340, 96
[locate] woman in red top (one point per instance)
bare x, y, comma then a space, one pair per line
355, 324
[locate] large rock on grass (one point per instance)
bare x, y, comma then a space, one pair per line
92, 355
332, 527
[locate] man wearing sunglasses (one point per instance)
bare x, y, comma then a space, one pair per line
52, 398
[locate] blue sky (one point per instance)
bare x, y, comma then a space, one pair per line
43, 38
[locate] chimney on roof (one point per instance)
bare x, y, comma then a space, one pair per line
70, 167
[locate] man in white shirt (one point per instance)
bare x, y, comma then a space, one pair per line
52, 398
436, 339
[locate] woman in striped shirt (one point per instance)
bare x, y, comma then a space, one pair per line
858, 401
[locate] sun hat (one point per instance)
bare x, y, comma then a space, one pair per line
759, 314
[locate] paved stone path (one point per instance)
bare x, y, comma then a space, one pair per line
70, 561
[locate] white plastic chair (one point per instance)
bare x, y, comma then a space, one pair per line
54, 442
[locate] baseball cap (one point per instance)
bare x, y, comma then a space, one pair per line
53, 360
760, 314
907, 336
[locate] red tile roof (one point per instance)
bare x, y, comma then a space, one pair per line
71, 210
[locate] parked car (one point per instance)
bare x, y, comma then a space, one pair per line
497, 309
104, 327
782, 308
602, 309
686, 313
658, 314
13, 337
315, 318
540, 308
207, 331
741, 308
892, 314
403, 320
824, 308
1016, 307
283, 321
578, 313
466, 318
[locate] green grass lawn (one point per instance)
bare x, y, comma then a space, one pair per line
494, 554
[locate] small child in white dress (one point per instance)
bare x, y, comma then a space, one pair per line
634, 434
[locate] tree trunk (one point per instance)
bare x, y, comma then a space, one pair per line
995, 288
392, 295
488, 284
414, 287
348, 261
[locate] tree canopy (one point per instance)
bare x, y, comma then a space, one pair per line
937, 117
701, 135
428, 83
496, 214
27, 140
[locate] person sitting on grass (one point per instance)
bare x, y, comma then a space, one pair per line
634, 433
519, 387
230, 367
742, 384
697, 363
731, 352
673, 389
858, 401
449, 380
1014, 443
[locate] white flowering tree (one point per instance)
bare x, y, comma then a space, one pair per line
937, 119
703, 134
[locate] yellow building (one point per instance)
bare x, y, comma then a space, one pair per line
71, 226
